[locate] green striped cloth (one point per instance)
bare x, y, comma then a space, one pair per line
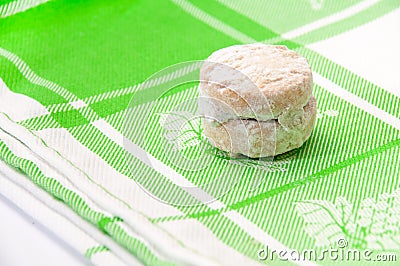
87, 149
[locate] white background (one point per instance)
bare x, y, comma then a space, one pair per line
20, 234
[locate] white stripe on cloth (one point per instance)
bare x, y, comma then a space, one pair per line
356, 101
152, 82
341, 15
27, 107
23, 152
213, 22
19, 6
189, 232
379, 41
32, 77
103, 174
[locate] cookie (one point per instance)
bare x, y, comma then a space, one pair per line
257, 99
257, 139
281, 75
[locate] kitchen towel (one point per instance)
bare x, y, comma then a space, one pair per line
98, 125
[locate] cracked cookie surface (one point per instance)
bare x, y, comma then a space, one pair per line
257, 99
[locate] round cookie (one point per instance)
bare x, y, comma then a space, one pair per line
260, 138
281, 75
257, 99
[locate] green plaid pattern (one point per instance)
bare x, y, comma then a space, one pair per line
81, 62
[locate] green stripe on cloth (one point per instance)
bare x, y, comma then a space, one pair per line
94, 250
12, 7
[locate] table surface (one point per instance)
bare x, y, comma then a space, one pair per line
39, 245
